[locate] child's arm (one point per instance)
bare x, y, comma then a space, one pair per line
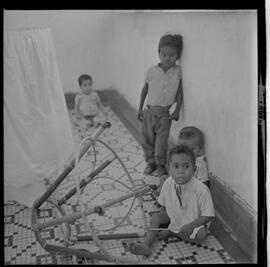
179, 100
77, 103
202, 169
142, 99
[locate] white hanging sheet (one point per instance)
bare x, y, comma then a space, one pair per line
37, 132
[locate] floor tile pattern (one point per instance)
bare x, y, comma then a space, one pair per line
22, 247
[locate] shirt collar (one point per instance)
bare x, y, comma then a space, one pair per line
186, 185
171, 68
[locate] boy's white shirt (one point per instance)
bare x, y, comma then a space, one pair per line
201, 172
196, 202
88, 104
162, 86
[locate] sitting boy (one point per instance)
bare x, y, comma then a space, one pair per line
187, 206
88, 104
193, 138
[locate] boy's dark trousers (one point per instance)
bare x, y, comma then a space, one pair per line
155, 133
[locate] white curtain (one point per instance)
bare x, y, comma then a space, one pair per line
37, 132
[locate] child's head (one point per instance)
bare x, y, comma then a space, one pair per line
170, 48
193, 138
85, 83
181, 164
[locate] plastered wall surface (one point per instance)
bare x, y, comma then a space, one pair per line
80, 39
219, 65
219, 79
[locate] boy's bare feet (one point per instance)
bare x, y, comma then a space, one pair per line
150, 167
160, 171
140, 249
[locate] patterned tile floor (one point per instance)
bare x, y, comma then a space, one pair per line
22, 247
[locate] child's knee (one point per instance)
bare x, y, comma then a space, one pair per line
160, 218
201, 235
157, 218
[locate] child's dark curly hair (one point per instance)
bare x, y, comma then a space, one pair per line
84, 77
181, 149
175, 40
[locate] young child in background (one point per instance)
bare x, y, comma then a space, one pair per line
163, 88
88, 104
193, 138
186, 204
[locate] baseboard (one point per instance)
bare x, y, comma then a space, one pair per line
231, 210
236, 215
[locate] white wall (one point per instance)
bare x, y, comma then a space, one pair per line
219, 72
219, 79
80, 39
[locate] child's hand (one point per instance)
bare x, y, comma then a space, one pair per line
186, 230
175, 115
140, 115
